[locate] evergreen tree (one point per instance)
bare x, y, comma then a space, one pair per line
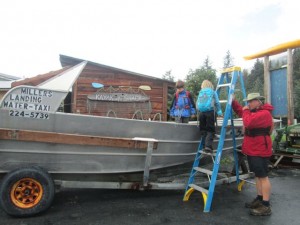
238, 88
255, 80
228, 60
168, 76
171, 90
296, 83
195, 77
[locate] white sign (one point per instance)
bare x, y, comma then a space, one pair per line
30, 102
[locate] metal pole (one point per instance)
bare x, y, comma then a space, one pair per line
148, 162
267, 89
290, 89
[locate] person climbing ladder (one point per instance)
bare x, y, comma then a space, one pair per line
207, 101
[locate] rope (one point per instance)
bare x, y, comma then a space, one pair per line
136, 112
111, 111
157, 114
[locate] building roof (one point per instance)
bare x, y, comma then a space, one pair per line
35, 81
68, 60
65, 80
5, 85
6, 81
6, 77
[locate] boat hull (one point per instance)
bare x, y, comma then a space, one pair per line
175, 144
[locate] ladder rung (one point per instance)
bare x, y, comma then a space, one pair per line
222, 175
202, 170
197, 188
209, 172
223, 85
223, 101
206, 153
248, 181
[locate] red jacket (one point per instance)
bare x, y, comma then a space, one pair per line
262, 118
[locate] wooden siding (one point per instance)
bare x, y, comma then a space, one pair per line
109, 76
115, 79
74, 139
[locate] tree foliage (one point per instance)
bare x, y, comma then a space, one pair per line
227, 63
171, 90
255, 80
195, 77
228, 60
296, 79
168, 76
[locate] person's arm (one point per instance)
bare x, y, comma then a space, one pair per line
237, 108
172, 106
217, 104
192, 105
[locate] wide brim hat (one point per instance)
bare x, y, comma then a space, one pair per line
253, 96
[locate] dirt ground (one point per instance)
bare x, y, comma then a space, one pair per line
92, 207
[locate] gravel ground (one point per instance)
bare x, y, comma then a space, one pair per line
91, 207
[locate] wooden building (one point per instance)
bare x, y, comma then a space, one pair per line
111, 78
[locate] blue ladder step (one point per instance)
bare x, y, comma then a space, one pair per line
209, 172
223, 101
198, 188
223, 85
209, 153
202, 170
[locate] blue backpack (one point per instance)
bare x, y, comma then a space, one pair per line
205, 101
186, 97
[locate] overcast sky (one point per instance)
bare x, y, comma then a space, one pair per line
143, 36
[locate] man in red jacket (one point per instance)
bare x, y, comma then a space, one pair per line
257, 145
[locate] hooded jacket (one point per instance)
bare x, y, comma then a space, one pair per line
256, 141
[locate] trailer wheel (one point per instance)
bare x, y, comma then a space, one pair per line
26, 192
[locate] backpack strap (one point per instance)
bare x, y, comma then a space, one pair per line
188, 95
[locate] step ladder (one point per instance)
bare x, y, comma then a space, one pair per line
228, 80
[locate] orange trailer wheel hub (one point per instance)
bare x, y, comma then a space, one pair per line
26, 193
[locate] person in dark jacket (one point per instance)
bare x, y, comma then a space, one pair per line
257, 145
183, 105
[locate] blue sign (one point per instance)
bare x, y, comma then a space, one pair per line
279, 92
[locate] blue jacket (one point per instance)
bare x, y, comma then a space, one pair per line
184, 106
